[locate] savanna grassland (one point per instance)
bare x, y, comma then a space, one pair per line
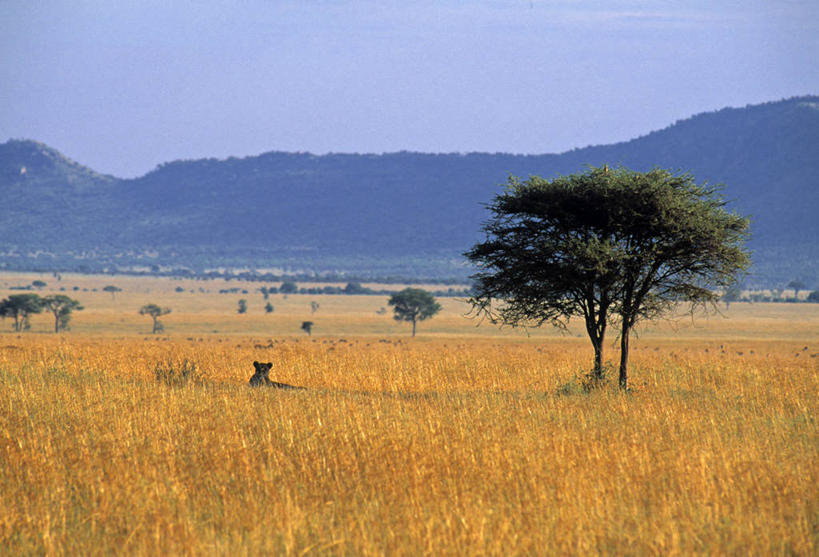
464, 440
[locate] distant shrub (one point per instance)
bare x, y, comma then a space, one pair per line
596, 379
587, 381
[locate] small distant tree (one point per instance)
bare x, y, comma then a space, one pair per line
413, 305
155, 312
813, 297
38, 284
62, 307
797, 285
355, 288
268, 308
20, 307
179, 289
289, 287
242, 306
112, 289
307, 327
732, 294
265, 292
314, 306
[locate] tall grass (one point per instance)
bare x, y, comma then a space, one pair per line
434, 446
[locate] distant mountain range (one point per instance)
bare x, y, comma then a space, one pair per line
408, 214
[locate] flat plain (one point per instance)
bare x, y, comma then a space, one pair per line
464, 440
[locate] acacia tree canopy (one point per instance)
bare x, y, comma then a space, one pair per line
413, 305
605, 244
61, 306
155, 312
20, 307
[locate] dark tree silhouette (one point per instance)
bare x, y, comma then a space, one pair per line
155, 312
62, 307
112, 289
289, 287
20, 307
602, 244
413, 305
797, 285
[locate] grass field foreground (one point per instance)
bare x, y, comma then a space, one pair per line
461, 441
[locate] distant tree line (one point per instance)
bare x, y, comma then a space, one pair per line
351, 288
20, 308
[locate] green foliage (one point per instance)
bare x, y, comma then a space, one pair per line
413, 305
307, 327
289, 287
268, 308
603, 244
813, 297
61, 306
155, 312
112, 289
20, 307
356, 288
38, 284
242, 306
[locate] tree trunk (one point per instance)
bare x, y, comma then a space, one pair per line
154, 331
624, 357
598, 357
413, 327
56, 323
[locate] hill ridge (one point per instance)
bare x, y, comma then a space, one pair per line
402, 212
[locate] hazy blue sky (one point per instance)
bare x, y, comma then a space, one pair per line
124, 85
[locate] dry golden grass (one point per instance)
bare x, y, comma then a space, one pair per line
461, 441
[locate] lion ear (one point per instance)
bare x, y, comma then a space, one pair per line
256, 365
269, 364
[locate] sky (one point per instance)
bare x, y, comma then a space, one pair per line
124, 86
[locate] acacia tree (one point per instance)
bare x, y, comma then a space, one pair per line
62, 307
605, 245
413, 304
112, 289
155, 312
20, 307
